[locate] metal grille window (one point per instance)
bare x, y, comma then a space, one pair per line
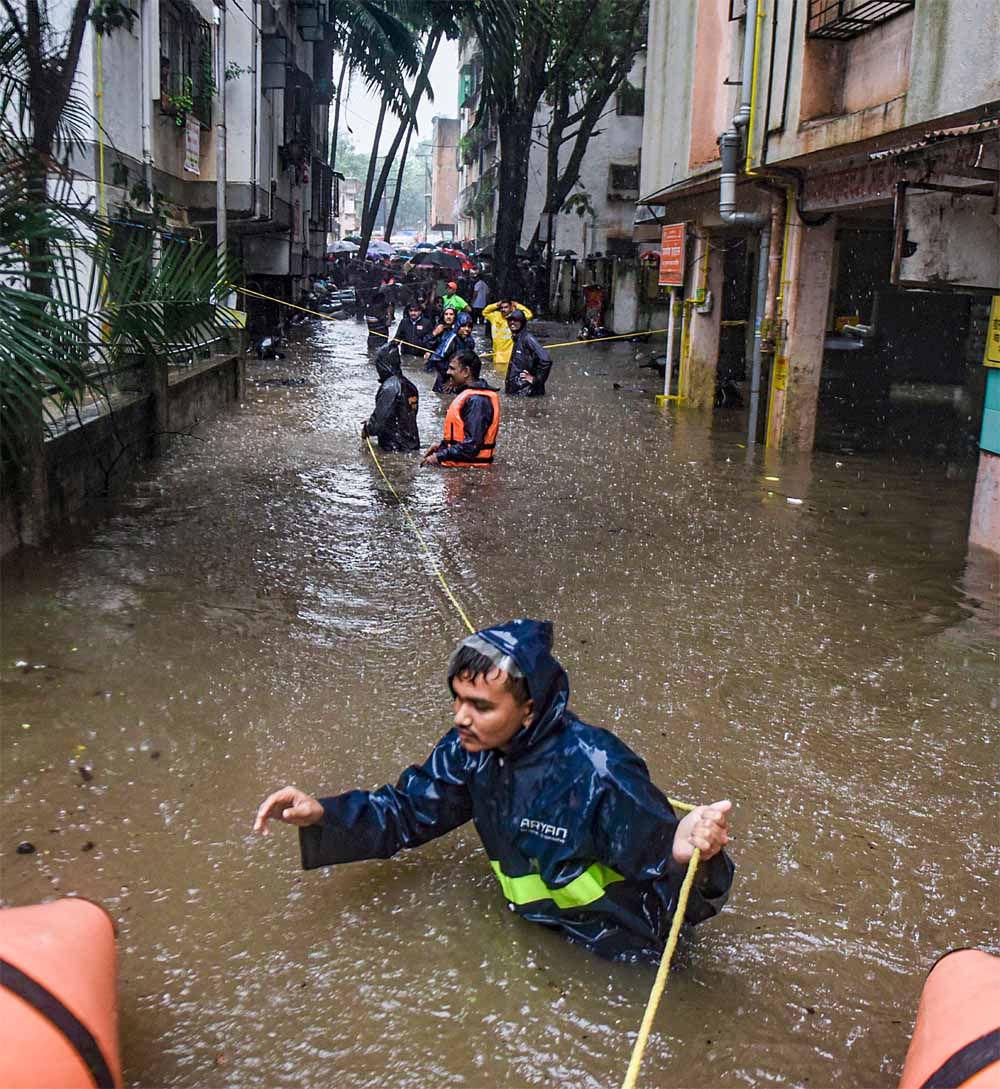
630, 101
843, 19
623, 181
186, 61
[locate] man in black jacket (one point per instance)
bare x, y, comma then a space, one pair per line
473, 419
578, 836
394, 421
530, 363
414, 331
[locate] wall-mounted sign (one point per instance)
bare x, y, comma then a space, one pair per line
672, 255
192, 145
991, 356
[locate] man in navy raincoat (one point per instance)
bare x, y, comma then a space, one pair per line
577, 835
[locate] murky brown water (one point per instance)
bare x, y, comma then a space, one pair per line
257, 611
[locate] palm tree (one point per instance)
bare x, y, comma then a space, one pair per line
76, 303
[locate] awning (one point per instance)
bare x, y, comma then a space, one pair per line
935, 136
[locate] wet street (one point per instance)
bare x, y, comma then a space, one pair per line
805, 637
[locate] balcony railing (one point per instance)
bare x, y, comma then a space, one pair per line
844, 19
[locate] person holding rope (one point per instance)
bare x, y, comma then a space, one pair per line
415, 330
473, 420
578, 837
394, 421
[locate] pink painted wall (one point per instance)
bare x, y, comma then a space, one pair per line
711, 101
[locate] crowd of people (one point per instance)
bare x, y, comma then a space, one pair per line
442, 331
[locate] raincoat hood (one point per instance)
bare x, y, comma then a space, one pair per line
524, 648
387, 362
515, 313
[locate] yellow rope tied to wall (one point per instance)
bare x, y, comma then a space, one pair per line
423, 348
660, 983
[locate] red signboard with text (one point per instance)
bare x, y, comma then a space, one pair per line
672, 255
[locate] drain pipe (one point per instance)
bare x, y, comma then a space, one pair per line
730, 148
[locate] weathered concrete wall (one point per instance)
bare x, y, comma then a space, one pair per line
98, 458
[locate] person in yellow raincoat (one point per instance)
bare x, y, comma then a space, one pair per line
500, 334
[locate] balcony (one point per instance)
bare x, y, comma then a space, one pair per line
845, 19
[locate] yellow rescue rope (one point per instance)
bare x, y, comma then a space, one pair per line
660, 983
422, 347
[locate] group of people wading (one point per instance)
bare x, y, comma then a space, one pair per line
445, 340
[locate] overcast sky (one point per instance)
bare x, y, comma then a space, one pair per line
362, 107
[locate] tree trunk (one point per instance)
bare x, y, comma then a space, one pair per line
391, 218
373, 195
367, 212
336, 112
512, 182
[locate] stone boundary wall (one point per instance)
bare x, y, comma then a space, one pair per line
97, 458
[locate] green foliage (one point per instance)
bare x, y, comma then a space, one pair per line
234, 71
109, 15
180, 105
579, 203
79, 298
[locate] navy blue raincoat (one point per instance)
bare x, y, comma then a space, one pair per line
577, 835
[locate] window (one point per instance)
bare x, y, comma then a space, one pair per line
630, 101
843, 19
186, 62
623, 181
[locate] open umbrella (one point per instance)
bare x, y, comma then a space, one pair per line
438, 259
343, 246
421, 246
383, 249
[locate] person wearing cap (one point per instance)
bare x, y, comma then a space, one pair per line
394, 421
529, 364
472, 423
577, 835
496, 314
452, 298
415, 330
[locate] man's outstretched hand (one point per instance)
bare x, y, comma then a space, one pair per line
707, 828
291, 805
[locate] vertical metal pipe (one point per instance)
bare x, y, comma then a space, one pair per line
669, 361
220, 141
763, 261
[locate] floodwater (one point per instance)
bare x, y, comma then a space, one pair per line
256, 610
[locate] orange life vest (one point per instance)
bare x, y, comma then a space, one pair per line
454, 427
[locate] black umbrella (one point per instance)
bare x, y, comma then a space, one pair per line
439, 259
488, 252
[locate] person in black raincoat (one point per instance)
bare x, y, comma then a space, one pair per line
577, 835
377, 319
414, 330
394, 421
529, 364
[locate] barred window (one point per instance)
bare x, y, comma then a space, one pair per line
844, 19
186, 61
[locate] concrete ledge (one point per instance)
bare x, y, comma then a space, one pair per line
96, 458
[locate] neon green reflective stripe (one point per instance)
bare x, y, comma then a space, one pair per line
582, 890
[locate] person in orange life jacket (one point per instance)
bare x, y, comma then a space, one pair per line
579, 837
463, 340
530, 363
394, 421
473, 420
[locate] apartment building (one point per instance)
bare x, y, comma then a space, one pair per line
600, 219
834, 163
213, 118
